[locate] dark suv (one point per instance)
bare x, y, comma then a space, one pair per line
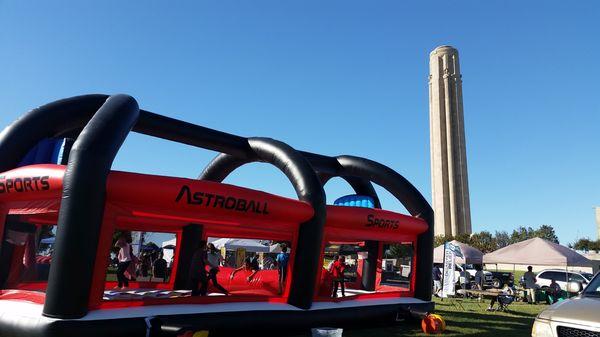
499, 278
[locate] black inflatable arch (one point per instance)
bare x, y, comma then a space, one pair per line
224, 164
84, 184
405, 192
310, 233
101, 124
360, 172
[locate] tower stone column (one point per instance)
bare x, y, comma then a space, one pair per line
449, 181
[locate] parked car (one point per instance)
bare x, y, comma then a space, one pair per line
488, 277
500, 278
562, 277
459, 275
577, 316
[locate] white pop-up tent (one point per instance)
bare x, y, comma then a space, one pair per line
249, 245
539, 252
169, 248
276, 248
470, 255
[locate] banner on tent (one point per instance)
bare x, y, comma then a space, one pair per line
451, 251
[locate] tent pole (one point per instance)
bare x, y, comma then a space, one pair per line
466, 278
444, 264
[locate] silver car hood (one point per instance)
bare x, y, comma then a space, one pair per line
578, 310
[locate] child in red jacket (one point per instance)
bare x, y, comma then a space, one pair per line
337, 272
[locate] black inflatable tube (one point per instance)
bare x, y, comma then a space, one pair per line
362, 187
308, 188
402, 189
231, 323
415, 204
67, 117
186, 133
190, 240
362, 170
82, 206
70, 115
47, 121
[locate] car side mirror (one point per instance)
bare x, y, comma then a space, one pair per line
574, 287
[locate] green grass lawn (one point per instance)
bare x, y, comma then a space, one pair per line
473, 321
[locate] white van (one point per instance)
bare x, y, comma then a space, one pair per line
562, 277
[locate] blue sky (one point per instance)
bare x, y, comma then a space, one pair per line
338, 77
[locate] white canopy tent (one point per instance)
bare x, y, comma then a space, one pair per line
276, 248
169, 244
249, 245
470, 255
169, 249
539, 252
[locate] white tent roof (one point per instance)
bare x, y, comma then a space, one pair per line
470, 255
276, 248
169, 242
539, 252
248, 244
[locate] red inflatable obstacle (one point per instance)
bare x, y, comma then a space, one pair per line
90, 251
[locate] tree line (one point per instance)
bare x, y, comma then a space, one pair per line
487, 242
586, 244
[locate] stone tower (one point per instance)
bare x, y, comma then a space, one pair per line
450, 186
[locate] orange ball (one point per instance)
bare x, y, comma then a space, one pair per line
443, 322
433, 324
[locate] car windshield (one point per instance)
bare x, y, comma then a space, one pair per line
593, 289
588, 276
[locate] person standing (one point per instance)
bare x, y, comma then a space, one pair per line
159, 267
250, 265
215, 260
530, 285
337, 271
198, 279
479, 277
131, 272
436, 275
124, 260
282, 263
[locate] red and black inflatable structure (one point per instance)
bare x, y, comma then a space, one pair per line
87, 202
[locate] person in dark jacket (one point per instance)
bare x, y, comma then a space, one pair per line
436, 275
198, 278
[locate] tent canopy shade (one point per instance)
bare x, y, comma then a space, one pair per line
276, 248
538, 252
471, 255
249, 245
